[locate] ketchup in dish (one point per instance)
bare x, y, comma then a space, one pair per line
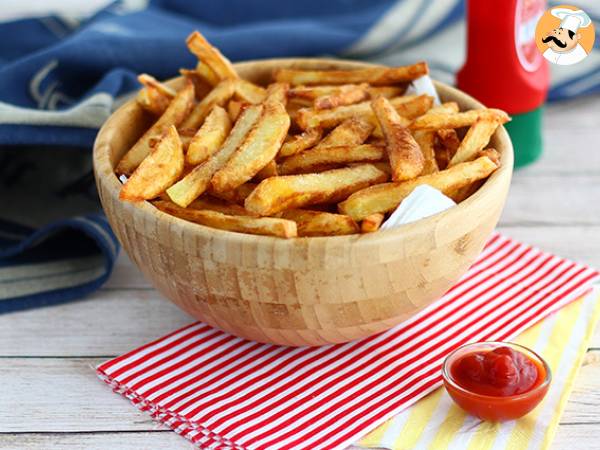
495, 380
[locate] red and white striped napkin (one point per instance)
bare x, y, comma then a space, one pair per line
225, 393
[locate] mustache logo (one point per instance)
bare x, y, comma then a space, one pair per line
555, 40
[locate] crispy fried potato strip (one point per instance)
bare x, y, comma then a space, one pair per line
154, 96
320, 223
270, 170
315, 159
371, 223
376, 76
195, 183
437, 121
353, 131
475, 140
159, 170
347, 95
300, 142
237, 195
268, 226
249, 92
204, 71
406, 158
221, 93
210, 55
173, 115
259, 148
295, 191
209, 137
408, 106
386, 197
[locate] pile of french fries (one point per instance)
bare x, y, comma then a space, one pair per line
314, 153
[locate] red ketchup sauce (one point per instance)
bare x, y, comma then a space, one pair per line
496, 381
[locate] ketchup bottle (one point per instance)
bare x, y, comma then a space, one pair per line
505, 70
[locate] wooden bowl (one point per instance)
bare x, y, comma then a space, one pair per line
304, 291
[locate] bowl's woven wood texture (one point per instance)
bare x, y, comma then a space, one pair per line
307, 291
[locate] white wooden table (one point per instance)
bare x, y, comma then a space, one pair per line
50, 396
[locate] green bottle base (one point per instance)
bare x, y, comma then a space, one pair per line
526, 134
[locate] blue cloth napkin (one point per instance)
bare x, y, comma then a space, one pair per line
61, 78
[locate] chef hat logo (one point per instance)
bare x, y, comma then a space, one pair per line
565, 35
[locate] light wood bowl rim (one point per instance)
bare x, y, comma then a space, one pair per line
102, 164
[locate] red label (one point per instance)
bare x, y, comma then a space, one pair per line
527, 16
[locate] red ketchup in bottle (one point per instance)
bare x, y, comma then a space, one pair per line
504, 69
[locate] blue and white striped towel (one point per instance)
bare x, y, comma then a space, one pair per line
63, 74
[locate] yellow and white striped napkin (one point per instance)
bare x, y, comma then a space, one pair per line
436, 423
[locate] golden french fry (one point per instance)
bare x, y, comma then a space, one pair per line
209, 203
209, 137
205, 72
313, 159
295, 191
386, 197
249, 92
270, 170
173, 115
446, 146
353, 131
408, 106
475, 140
406, 158
371, 223
234, 108
311, 93
159, 170
150, 81
153, 100
491, 153
195, 183
348, 94
319, 223
268, 226
277, 93
437, 121
220, 94
210, 55
376, 76
201, 86
259, 148
237, 195
447, 108
300, 142
426, 141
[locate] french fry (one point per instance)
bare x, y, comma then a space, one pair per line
159, 170
152, 100
249, 92
205, 72
437, 121
426, 141
201, 86
234, 108
300, 142
210, 55
268, 226
447, 108
445, 148
353, 131
406, 158
371, 223
237, 195
376, 76
195, 183
154, 96
277, 93
173, 115
259, 148
319, 223
221, 93
348, 94
475, 140
314, 159
408, 106
386, 197
270, 170
311, 93
209, 137
209, 203
296, 191
491, 153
